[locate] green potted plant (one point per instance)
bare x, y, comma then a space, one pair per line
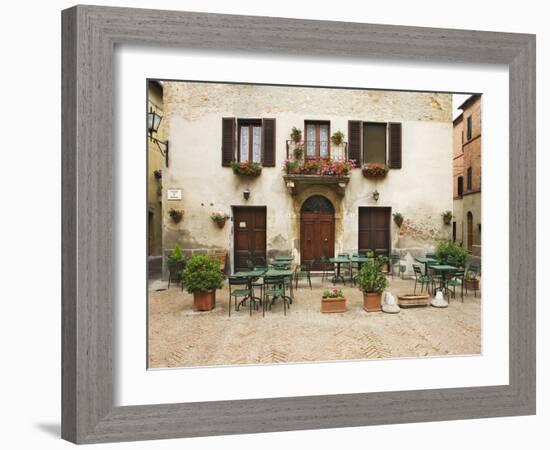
333, 301
398, 219
447, 217
451, 253
176, 215
298, 152
296, 135
176, 263
471, 281
201, 277
372, 282
337, 137
219, 218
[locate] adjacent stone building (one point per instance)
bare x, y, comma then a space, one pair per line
305, 201
467, 176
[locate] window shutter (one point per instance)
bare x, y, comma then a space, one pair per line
268, 142
354, 144
228, 140
395, 146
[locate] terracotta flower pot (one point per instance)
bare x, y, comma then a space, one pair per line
473, 285
204, 301
413, 300
372, 301
221, 223
333, 305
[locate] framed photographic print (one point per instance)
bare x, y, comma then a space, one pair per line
268, 230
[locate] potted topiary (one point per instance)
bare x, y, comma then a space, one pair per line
296, 135
337, 138
176, 263
471, 281
298, 152
451, 253
219, 218
372, 282
333, 301
176, 215
201, 277
447, 217
398, 219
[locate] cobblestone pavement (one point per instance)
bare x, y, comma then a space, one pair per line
179, 337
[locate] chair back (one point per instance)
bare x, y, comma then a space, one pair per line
276, 280
250, 264
431, 255
343, 255
237, 281
279, 265
417, 270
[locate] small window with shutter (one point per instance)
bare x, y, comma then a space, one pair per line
248, 140
374, 143
469, 179
460, 186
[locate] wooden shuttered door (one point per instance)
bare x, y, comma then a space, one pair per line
268, 142
228, 140
395, 159
354, 144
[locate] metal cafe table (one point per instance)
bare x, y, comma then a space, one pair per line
426, 262
443, 269
338, 261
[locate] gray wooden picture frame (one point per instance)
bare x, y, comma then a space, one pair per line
90, 34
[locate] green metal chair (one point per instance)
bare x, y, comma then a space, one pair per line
422, 279
237, 291
394, 262
274, 288
456, 280
326, 267
304, 271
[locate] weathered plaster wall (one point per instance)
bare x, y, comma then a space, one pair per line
421, 190
155, 161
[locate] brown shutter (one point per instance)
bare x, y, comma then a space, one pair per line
354, 144
228, 140
268, 142
395, 146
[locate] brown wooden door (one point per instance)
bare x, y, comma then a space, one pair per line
249, 236
316, 237
374, 230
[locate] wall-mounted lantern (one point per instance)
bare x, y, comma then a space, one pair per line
153, 124
375, 195
246, 194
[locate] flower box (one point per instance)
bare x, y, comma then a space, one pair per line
333, 305
333, 301
320, 166
473, 285
375, 170
247, 168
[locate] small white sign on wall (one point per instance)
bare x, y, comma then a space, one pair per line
173, 194
242, 224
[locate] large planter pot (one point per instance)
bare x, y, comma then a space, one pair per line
473, 285
372, 301
221, 223
333, 305
204, 301
405, 300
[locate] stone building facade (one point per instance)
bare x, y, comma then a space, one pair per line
155, 168
467, 176
283, 211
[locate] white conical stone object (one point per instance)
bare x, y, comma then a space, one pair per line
439, 301
389, 305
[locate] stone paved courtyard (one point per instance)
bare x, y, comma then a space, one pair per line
179, 337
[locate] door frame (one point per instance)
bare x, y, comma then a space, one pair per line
389, 210
232, 245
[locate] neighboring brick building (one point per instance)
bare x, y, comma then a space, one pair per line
467, 175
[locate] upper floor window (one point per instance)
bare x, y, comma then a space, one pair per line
317, 139
460, 186
374, 142
469, 179
469, 128
250, 140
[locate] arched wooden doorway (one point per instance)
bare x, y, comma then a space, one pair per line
316, 230
470, 230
